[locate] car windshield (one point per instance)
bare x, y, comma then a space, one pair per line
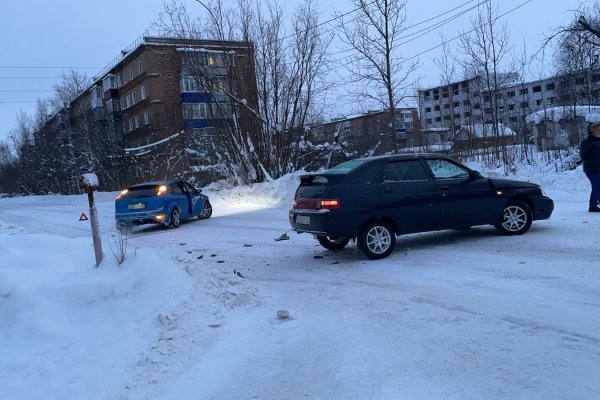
345, 167
141, 191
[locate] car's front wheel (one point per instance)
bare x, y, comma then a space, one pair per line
332, 244
206, 210
175, 218
377, 240
516, 218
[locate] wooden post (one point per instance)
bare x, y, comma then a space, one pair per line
89, 182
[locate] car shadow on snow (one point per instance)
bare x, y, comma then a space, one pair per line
453, 239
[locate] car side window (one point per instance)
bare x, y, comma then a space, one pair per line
175, 189
189, 188
404, 171
444, 169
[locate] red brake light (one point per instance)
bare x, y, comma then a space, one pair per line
331, 204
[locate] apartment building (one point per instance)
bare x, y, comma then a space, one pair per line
153, 112
364, 131
469, 103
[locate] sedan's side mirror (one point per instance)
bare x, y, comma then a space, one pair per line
474, 174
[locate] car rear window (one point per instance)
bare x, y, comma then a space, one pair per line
141, 191
344, 167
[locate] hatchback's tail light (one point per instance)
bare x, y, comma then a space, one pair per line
317, 204
330, 204
123, 193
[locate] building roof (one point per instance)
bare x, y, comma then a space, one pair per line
556, 114
481, 131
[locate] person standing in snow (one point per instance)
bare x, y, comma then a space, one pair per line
589, 150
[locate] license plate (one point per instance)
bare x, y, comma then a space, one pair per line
136, 206
303, 220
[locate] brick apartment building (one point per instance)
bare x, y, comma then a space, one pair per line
367, 134
154, 111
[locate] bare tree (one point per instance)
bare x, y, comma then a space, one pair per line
447, 64
487, 50
379, 66
71, 85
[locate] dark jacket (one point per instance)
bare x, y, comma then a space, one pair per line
589, 150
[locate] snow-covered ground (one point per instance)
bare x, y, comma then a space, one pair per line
449, 315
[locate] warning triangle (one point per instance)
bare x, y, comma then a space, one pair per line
83, 217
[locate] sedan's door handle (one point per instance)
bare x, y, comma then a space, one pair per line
388, 190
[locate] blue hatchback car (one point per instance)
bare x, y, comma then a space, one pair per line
160, 202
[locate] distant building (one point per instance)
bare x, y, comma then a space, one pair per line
369, 133
154, 111
468, 102
561, 127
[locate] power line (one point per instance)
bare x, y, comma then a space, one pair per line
26, 91
29, 77
42, 67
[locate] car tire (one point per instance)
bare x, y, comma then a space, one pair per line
377, 240
206, 211
516, 218
333, 244
175, 218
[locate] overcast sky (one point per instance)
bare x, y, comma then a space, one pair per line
41, 39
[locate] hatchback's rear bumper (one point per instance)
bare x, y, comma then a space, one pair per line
316, 222
157, 215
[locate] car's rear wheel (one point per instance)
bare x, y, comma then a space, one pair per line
377, 240
206, 211
516, 218
175, 218
332, 244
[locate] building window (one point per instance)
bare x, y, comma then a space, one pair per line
137, 122
428, 109
428, 120
146, 118
140, 67
446, 106
580, 81
196, 111
550, 86
511, 107
455, 104
511, 93
537, 89
538, 102
524, 91
524, 104
438, 119
143, 92
133, 97
437, 108
130, 123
